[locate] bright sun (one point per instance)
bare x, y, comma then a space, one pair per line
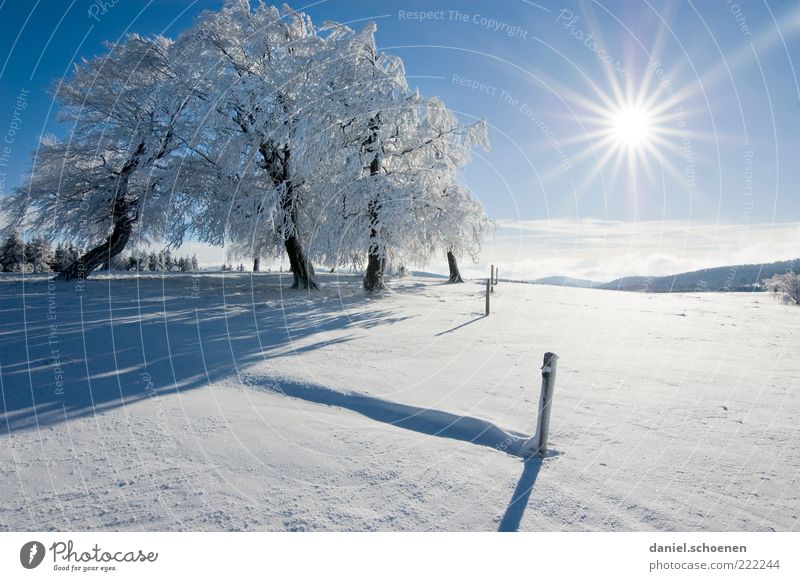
632, 127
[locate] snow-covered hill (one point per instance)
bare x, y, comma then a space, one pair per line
216, 402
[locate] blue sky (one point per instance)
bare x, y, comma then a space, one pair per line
716, 83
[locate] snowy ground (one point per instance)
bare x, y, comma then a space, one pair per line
217, 402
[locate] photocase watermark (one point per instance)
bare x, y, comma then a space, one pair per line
53, 340
66, 558
477, 19
741, 20
569, 21
10, 136
504, 445
195, 292
475, 85
522, 108
100, 8
161, 419
528, 112
677, 112
31, 554
747, 210
81, 273
152, 393
646, 284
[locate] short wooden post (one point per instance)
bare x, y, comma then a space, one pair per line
491, 278
537, 444
488, 286
496, 275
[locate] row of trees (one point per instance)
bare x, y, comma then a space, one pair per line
37, 255
155, 262
257, 130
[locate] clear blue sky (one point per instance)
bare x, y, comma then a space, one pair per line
536, 72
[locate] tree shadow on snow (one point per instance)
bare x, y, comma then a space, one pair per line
67, 354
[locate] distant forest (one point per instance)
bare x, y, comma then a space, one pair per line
738, 278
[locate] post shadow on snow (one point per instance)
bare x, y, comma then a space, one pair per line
519, 500
426, 421
522, 493
457, 327
99, 362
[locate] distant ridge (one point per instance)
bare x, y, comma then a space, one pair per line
565, 281
742, 277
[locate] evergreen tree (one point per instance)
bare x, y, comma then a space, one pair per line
58, 257
12, 255
39, 254
120, 262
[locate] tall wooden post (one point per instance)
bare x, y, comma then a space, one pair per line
488, 287
496, 275
537, 444
491, 278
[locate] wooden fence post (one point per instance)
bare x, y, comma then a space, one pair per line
537, 444
496, 275
488, 286
491, 278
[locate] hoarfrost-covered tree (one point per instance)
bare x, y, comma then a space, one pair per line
314, 145
785, 287
265, 68
98, 182
393, 175
256, 130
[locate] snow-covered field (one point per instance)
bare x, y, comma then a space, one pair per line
216, 402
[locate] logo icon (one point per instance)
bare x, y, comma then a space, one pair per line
31, 554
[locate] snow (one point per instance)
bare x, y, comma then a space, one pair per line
227, 402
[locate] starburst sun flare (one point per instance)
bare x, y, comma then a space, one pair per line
632, 126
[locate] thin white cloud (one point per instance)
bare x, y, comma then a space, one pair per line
604, 250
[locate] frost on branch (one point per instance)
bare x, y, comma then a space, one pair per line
786, 287
94, 186
257, 130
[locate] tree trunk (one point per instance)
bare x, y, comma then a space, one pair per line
113, 245
376, 266
376, 259
277, 165
455, 274
302, 269
124, 215
257, 264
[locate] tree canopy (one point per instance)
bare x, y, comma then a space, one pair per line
259, 130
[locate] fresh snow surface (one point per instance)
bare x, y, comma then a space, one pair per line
229, 402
